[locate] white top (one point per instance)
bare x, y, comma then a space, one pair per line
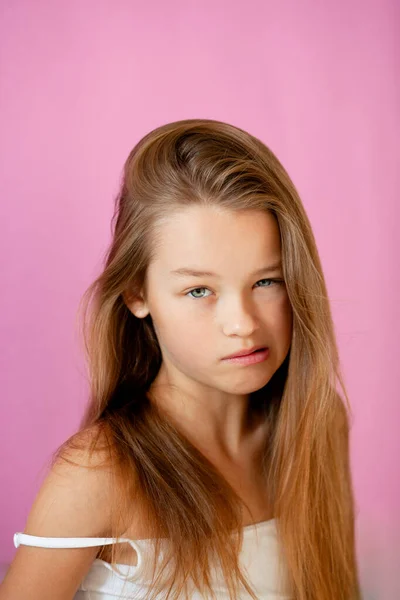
258, 556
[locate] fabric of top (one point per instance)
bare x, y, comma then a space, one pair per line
258, 559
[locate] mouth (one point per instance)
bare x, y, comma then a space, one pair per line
247, 352
260, 355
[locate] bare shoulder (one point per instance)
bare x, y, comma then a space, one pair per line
75, 497
74, 500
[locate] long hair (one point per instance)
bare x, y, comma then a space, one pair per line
306, 456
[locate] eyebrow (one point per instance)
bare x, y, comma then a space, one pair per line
190, 272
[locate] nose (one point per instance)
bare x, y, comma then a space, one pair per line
237, 317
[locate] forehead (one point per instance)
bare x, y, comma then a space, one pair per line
217, 239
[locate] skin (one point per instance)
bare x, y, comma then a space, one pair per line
209, 399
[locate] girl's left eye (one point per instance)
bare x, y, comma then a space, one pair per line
203, 288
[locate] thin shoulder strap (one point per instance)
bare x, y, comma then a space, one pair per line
81, 542
64, 542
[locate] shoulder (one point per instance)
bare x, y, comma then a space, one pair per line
75, 497
75, 500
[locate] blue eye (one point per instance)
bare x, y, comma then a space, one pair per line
196, 290
273, 280
277, 281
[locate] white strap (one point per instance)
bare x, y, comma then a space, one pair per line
63, 542
67, 542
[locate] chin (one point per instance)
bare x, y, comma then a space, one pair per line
249, 387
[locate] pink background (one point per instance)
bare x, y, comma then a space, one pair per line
81, 82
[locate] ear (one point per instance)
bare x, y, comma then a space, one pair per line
136, 304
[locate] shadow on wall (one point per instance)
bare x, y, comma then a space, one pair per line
3, 570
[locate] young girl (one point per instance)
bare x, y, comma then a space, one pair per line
195, 474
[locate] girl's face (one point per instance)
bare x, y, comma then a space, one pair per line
199, 319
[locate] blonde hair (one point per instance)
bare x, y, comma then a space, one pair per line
306, 456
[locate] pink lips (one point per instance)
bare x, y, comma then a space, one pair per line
249, 359
245, 351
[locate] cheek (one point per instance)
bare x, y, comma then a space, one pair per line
280, 317
180, 333
188, 348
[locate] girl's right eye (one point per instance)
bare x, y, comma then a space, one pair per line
196, 290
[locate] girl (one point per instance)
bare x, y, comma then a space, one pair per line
195, 474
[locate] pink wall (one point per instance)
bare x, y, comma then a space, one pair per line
81, 82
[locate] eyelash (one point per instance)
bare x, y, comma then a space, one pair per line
278, 281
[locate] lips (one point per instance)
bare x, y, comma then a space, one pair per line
245, 352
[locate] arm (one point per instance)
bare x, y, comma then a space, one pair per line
73, 501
